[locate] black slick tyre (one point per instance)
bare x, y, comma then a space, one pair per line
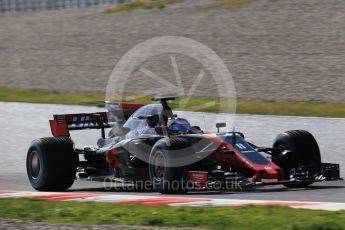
166, 178
51, 164
304, 152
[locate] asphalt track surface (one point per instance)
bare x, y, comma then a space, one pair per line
21, 123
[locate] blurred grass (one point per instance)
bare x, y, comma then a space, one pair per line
141, 4
49, 97
159, 4
225, 4
284, 108
291, 108
248, 217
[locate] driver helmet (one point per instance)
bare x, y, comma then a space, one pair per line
180, 125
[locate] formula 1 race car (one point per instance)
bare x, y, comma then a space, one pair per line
149, 143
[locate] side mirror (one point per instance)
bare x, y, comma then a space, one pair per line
152, 120
144, 117
220, 125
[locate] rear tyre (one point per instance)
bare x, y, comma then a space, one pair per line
51, 164
165, 178
304, 152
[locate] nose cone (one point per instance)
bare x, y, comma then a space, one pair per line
270, 174
266, 174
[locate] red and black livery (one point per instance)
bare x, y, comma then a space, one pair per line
140, 147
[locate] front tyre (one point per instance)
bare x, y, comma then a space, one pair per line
305, 152
164, 177
51, 164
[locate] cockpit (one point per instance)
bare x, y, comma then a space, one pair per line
145, 120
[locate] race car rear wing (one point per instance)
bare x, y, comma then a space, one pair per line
62, 124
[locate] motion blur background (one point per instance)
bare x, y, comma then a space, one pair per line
282, 50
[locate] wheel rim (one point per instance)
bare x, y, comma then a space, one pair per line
34, 165
159, 166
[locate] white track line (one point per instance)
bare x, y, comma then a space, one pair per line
171, 201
